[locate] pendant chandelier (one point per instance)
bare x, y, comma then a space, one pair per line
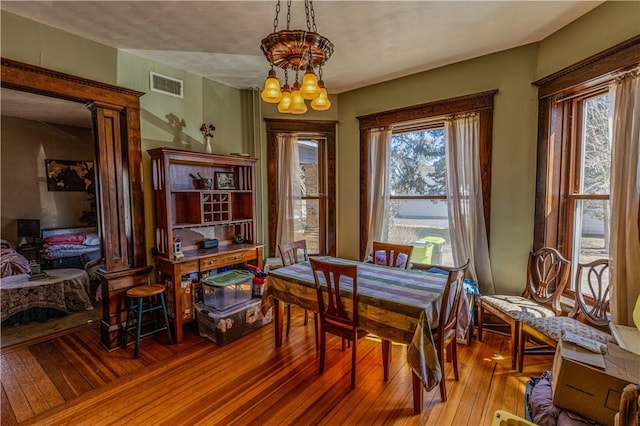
297, 52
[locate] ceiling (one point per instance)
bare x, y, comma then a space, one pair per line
374, 41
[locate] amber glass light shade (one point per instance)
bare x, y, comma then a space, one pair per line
297, 101
299, 51
310, 89
322, 102
271, 92
284, 106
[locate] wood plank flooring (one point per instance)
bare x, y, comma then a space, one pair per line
70, 379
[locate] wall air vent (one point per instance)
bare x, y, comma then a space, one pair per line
167, 85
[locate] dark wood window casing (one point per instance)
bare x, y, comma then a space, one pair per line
327, 161
478, 102
559, 94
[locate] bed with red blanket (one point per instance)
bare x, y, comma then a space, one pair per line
81, 244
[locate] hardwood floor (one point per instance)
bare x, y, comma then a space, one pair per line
70, 379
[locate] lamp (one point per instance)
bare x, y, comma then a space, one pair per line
297, 51
29, 230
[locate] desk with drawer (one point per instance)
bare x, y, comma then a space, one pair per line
181, 276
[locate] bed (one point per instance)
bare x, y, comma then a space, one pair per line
60, 292
69, 247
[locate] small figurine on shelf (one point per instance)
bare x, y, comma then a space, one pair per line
177, 247
207, 132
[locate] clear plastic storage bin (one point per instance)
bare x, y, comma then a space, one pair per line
228, 289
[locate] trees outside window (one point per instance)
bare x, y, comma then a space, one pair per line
417, 173
587, 221
418, 209
574, 155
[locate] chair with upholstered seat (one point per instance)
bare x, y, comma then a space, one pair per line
336, 317
549, 330
444, 335
292, 253
547, 276
392, 254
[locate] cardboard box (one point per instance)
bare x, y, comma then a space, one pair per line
591, 384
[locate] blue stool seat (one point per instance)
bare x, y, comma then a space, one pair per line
137, 296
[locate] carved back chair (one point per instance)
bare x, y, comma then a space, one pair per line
596, 279
549, 330
547, 276
291, 253
394, 254
445, 335
336, 317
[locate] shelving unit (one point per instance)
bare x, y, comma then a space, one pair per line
185, 210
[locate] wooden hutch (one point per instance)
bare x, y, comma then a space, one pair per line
190, 213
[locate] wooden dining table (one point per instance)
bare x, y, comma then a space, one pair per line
393, 303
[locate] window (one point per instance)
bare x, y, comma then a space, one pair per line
588, 198
309, 215
418, 212
417, 172
314, 215
574, 156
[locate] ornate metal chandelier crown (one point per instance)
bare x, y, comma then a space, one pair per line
296, 51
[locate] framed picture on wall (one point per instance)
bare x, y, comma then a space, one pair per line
225, 180
70, 175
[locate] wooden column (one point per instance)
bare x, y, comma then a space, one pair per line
119, 186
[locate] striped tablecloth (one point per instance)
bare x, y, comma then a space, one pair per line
393, 303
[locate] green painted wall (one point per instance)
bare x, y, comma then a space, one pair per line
514, 132
609, 24
513, 173
171, 121
27, 41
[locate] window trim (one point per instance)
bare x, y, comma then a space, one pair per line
556, 95
323, 129
481, 102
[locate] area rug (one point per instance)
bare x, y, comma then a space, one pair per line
13, 335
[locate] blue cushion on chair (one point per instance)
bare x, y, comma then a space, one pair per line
469, 286
381, 258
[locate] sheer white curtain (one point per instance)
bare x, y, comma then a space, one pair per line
289, 186
464, 198
379, 143
625, 198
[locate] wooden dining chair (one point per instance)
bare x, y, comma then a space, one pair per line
444, 335
291, 253
547, 276
549, 330
394, 254
335, 317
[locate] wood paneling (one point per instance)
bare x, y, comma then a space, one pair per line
69, 380
116, 129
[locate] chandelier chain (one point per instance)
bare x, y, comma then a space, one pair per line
288, 13
313, 17
306, 13
275, 20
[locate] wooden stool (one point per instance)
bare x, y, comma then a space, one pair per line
137, 296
